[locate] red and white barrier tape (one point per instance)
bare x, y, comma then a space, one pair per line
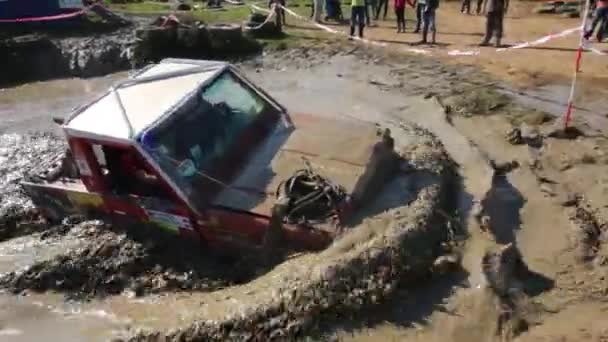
51, 17
577, 65
542, 40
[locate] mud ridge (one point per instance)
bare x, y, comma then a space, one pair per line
112, 260
588, 230
345, 281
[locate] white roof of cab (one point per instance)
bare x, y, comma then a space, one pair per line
145, 97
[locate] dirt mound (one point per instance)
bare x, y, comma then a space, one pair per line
18, 155
111, 261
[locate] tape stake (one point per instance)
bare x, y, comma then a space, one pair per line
579, 56
577, 65
568, 115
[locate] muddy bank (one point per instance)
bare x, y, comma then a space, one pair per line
37, 57
44, 56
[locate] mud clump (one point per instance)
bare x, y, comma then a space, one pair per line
478, 102
111, 261
513, 284
587, 231
19, 154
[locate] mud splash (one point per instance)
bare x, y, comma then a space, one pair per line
18, 155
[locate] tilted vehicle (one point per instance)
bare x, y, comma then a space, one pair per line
197, 149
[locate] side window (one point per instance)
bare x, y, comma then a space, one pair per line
129, 174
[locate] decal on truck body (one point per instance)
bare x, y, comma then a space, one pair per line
169, 221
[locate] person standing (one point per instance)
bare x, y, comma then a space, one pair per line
400, 14
495, 12
318, 10
428, 20
479, 6
600, 16
357, 16
420, 4
465, 5
280, 12
379, 9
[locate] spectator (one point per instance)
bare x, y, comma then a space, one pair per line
379, 9
465, 5
428, 20
280, 12
357, 16
368, 4
400, 14
600, 16
496, 10
419, 11
479, 6
317, 10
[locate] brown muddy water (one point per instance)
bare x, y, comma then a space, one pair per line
345, 85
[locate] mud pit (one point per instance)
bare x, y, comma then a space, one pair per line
374, 283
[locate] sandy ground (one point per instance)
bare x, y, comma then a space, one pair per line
552, 62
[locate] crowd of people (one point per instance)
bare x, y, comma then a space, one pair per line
362, 12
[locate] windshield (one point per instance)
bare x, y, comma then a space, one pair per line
194, 141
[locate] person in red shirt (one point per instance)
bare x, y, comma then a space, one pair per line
400, 13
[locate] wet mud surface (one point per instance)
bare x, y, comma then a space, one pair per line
111, 261
523, 222
18, 155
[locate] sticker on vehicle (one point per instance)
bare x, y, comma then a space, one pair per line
85, 199
169, 221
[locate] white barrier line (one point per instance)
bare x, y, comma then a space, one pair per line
463, 53
542, 40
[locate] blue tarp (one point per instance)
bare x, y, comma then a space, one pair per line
16, 9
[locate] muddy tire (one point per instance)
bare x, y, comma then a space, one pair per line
228, 39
